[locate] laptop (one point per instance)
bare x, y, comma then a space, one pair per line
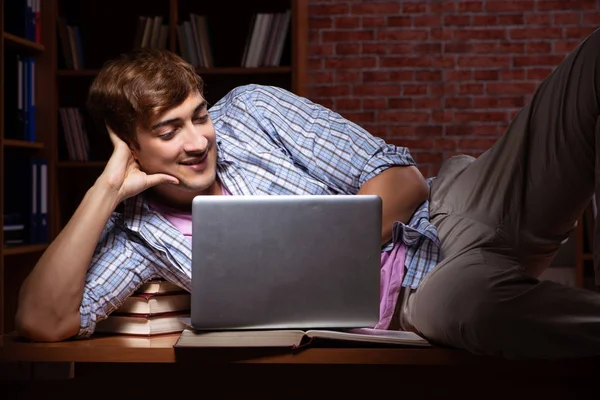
285, 262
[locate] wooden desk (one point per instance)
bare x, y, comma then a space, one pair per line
422, 372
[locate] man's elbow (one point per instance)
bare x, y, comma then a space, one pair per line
39, 329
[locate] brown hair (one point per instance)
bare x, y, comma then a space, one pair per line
138, 86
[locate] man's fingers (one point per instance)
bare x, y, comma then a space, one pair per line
155, 179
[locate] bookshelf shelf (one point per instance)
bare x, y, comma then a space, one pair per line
81, 164
16, 41
23, 144
25, 249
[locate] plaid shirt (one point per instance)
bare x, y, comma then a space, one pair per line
269, 141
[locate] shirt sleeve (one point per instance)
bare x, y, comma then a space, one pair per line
329, 147
115, 272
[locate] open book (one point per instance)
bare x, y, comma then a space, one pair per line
295, 338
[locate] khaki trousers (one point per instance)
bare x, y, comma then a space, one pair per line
502, 217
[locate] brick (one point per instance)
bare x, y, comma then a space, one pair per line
511, 47
417, 143
538, 19
348, 49
376, 8
328, 9
427, 48
535, 33
510, 19
509, 5
347, 22
322, 77
470, 88
591, 18
485, 102
373, 22
427, 102
511, 102
350, 62
360, 117
484, 61
321, 50
445, 144
401, 102
401, 130
555, 5
530, 61
512, 75
443, 62
428, 20
479, 116
458, 130
538, 73
470, 6
374, 104
403, 34
510, 88
401, 21
573, 18
457, 20
402, 76
414, 8
441, 116
417, 62
382, 76
400, 48
347, 104
321, 22
579, 32
347, 36
441, 6
459, 102
538, 47
458, 75
375, 48
345, 76
486, 75
428, 75
377, 90
565, 46
480, 34
403, 116
429, 130
486, 20
332, 91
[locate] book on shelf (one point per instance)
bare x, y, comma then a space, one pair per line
296, 338
142, 324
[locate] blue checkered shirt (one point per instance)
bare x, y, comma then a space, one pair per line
269, 141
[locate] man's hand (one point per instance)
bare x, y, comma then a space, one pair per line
122, 172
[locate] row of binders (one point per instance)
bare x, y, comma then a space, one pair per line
19, 95
25, 20
26, 210
151, 33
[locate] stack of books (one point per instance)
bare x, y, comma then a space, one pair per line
154, 309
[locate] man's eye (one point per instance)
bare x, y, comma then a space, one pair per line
166, 136
201, 119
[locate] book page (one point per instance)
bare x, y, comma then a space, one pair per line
241, 338
372, 336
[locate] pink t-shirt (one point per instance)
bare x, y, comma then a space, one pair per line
392, 263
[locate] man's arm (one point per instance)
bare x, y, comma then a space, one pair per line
50, 297
50, 312
402, 190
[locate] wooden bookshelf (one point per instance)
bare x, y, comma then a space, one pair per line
57, 86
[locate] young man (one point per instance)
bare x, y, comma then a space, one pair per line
489, 227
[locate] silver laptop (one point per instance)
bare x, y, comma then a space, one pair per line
285, 262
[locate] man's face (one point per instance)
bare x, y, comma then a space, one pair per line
181, 143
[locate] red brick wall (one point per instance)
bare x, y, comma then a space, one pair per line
438, 76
